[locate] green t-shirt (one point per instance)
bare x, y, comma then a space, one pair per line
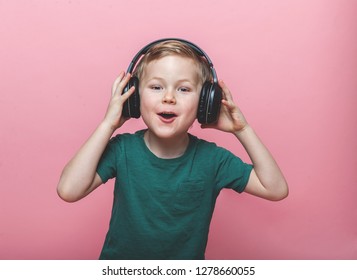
162, 208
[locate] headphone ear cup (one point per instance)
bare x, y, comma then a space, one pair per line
131, 107
202, 104
209, 104
214, 103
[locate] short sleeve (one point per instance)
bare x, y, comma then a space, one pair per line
232, 172
107, 166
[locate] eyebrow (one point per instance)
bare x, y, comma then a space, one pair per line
178, 81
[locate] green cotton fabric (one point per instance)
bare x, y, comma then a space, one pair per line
162, 208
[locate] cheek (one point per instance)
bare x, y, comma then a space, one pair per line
191, 107
148, 107
194, 102
145, 101
145, 109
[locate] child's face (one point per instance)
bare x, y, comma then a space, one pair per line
169, 94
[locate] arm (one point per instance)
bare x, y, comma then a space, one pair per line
79, 176
266, 179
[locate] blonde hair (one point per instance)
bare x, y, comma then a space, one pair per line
173, 47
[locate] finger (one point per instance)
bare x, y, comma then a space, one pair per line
225, 90
228, 104
121, 82
116, 82
128, 93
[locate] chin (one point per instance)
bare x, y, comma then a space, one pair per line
167, 132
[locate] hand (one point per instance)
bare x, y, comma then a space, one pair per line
113, 115
230, 119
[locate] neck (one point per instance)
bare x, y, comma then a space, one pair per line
166, 148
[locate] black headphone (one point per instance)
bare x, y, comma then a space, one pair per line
210, 96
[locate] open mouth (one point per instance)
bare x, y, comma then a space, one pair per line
167, 116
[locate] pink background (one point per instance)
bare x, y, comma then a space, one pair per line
291, 65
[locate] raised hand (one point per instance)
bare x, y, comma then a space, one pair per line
231, 119
113, 115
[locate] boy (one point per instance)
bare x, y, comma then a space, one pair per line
167, 180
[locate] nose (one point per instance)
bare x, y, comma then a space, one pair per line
169, 97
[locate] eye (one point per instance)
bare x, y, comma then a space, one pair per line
155, 87
184, 89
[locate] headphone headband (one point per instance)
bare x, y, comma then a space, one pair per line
197, 49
